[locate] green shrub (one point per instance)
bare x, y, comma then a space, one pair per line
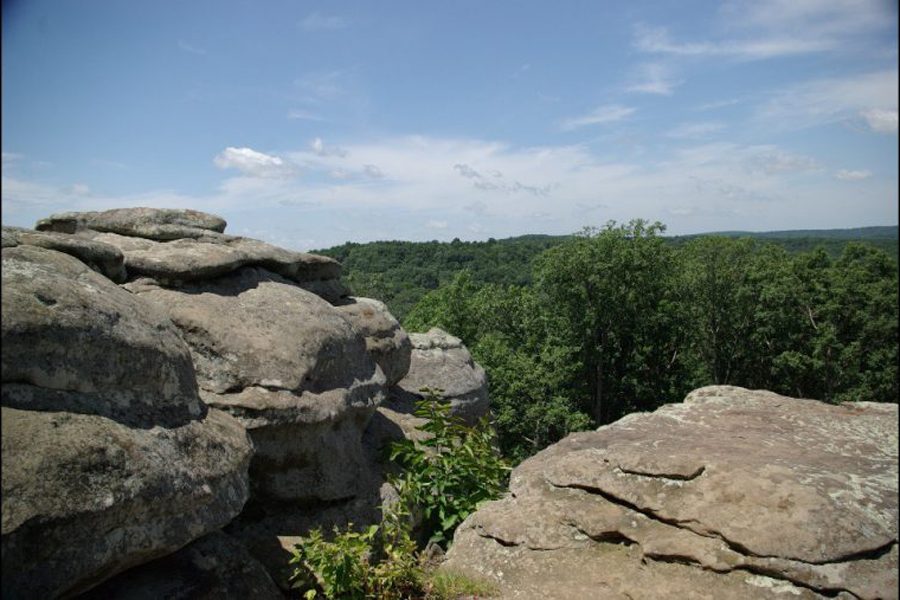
379, 562
339, 568
447, 475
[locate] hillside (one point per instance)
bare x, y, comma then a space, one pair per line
401, 273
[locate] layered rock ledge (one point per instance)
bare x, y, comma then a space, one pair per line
110, 459
731, 494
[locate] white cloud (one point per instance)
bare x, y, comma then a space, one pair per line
506, 190
320, 149
765, 29
831, 100
435, 224
847, 175
599, 116
695, 130
79, 189
772, 161
252, 163
372, 171
718, 104
882, 121
319, 22
304, 115
653, 78
656, 40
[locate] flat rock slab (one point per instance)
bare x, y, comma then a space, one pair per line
440, 360
214, 255
731, 494
152, 223
100, 257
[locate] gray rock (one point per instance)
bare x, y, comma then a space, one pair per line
386, 341
109, 457
440, 360
214, 255
103, 258
289, 367
152, 223
731, 494
72, 339
215, 567
86, 497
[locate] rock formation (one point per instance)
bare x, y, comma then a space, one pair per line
731, 494
127, 408
110, 459
440, 360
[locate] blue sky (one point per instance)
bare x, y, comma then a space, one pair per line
308, 124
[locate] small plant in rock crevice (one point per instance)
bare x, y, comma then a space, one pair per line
445, 478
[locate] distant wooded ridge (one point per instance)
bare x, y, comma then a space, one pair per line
400, 273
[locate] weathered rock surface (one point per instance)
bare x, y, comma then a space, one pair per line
152, 223
215, 567
72, 339
103, 258
386, 341
109, 457
440, 360
731, 494
289, 367
174, 246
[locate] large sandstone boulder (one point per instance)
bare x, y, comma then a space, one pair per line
152, 223
731, 494
440, 360
289, 367
386, 340
174, 246
110, 459
103, 258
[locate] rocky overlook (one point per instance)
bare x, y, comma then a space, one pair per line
731, 494
175, 398
179, 405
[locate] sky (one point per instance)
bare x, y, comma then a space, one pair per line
309, 124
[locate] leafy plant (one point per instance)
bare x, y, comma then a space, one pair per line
339, 568
448, 474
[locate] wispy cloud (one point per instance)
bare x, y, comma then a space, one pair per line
318, 22
880, 120
653, 78
870, 98
848, 175
766, 29
601, 115
303, 115
717, 104
191, 48
695, 130
503, 188
656, 40
252, 163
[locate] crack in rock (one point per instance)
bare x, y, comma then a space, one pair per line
675, 476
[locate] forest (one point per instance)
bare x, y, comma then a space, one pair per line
579, 331
401, 273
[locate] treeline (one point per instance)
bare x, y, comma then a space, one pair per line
619, 319
401, 273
